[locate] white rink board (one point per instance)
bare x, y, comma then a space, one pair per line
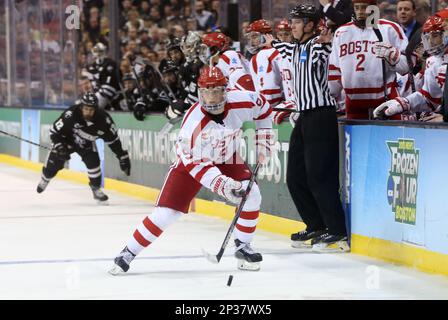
60, 244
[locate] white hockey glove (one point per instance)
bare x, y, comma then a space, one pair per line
227, 188
391, 107
387, 52
265, 144
280, 116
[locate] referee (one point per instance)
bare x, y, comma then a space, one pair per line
313, 168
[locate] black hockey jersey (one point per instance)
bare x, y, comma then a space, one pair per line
105, 79
189, 74
71, 129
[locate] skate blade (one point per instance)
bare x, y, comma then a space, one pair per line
248, 266
116, 270
301, 244
337, 247
102, 203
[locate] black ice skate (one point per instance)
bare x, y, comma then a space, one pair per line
330, 243
122, 262
303, 239
247, 258
99, 195
42, 184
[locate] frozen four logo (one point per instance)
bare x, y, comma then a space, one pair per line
402, 182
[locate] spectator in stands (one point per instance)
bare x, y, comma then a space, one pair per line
134, 20
144, 9
191, 24
49, 44
203, 17
125, 66
158, 5
177, 31
105, 27
126, 7
152, 56
133, 35
175, 16
406, 13
145, 39
215, 7
423, 11
155, 16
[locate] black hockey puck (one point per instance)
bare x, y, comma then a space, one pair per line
229, 282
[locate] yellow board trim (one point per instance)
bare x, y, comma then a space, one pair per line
398, 253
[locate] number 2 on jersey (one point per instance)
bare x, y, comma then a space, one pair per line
361, 57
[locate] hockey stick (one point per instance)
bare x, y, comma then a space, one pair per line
284, 109
216, 258
383, 67
19, 138
137, 82
414, 42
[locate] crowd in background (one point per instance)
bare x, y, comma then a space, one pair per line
145, 26
44, 65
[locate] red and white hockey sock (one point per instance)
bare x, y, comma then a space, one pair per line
246, 225
151, 228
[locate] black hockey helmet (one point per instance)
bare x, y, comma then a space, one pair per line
307, 12
89, 99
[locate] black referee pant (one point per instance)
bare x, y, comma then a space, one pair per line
313, 171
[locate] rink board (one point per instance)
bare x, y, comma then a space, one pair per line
395, 191
415, 236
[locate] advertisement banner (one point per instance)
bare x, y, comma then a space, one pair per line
10, 120
398, 185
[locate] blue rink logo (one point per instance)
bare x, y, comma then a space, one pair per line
402, 181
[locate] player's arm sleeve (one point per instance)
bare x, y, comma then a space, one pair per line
334, 73
111, 137
286, 49
262, 113
60, 130
428, 98
400, 41
320, 52
193, 158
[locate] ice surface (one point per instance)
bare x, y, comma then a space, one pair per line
60, 244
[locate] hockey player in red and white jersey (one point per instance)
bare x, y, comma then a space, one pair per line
270, 72
266, 63
207, 157
429, 97
356, 62
215, 50
283, 31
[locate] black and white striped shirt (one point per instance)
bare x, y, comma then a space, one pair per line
309, 63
